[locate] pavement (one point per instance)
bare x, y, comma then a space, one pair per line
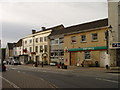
77, 69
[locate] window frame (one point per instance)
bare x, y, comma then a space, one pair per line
83, 38
87, 53
95, 38
73, 39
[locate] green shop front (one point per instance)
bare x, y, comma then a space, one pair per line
87, 56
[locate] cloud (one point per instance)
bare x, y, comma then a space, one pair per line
18, 19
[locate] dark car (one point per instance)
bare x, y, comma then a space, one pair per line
3, 67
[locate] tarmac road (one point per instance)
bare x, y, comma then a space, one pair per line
31, 77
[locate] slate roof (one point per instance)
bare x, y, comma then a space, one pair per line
81, 27
19, 43
11, 45
53, 28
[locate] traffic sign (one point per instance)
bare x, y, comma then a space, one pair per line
116, 44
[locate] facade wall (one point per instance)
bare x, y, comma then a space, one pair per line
57, 49
27, 44
114, 21
79, 56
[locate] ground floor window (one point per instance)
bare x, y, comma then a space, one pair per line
87, 55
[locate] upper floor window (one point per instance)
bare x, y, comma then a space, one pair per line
30, 49
94, 36
36, 40
83, 38
26, 42
41, 48
36, 49
52, 42
45, 48
106, 35
45, 39
30, 40
56, 41
41, 39
61, 40
73, 39
87, 55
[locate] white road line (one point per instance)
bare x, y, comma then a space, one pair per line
11, 83
13, 68
107, 80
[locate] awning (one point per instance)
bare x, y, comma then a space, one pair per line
87, 49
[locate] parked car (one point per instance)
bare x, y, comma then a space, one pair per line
15, 62
53, 64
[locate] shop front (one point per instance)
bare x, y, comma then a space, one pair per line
87, 56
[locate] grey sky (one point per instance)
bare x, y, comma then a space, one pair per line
19, 18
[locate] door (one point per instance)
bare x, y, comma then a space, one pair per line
73, 56
104, 59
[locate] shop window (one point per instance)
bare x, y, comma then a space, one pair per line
94, 37
87, 55
83, 38
41, 39
73, 39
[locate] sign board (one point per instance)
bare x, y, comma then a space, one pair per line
116, 45
87, 48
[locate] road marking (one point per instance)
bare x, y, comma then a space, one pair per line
18, 71
11, 83
107, 80
13, 68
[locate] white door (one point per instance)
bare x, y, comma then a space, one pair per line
104, 59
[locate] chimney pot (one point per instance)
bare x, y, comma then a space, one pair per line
33, 31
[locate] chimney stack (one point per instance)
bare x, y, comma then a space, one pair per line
43, 28
33, 31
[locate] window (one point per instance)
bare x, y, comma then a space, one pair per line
83, 38
61, 40
73, 39
106, 35
41, 48
56, 41
25, 42
94, 37
36, 40
87, 55
30, 40
36, 49
41, 39
45, 39
45, 48
52, 41
30, 49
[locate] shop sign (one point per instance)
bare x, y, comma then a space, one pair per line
87, 48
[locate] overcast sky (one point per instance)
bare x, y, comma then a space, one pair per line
18, 18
